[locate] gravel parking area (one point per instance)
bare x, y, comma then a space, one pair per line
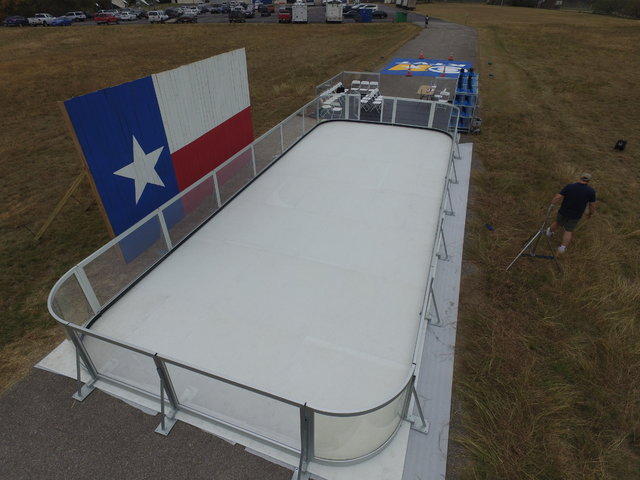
316, 14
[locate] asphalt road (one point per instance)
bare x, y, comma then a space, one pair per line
46, 435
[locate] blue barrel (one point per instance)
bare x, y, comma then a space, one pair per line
366, 15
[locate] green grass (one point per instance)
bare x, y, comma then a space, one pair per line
38, 162
548, 364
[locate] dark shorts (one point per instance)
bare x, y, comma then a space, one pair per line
569, 224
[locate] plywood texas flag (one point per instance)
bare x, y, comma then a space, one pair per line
147, 140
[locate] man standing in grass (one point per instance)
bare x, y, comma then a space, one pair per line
575, 198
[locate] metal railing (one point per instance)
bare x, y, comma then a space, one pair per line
314, 434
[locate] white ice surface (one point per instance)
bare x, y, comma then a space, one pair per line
310, 283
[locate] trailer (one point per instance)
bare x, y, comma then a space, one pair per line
299, 12
333, 12
409, 4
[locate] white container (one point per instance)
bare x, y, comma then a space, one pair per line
299, 13
333, 12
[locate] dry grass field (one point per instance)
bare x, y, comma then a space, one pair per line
41, 67
547, 381
548, 364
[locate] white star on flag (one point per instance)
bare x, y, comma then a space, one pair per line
143, 168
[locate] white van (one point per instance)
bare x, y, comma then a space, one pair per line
76, 16
157, 16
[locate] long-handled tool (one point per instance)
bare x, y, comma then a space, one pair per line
532, 244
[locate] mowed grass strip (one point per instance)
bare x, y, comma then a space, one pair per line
548, 364
38, 162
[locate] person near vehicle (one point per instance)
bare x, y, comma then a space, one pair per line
575, 197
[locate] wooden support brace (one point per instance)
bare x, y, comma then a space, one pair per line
63, 201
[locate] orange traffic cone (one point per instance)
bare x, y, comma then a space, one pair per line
444, 70
421, 55
409, 71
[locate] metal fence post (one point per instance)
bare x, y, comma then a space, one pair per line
346, 106
393, 111
165, 230
424, 428
216, 188
306, 443
168, 421
253, 160
281, 139
82, 354
455, 172
449, 212
87, 289
444, 243
432, 114
438, 321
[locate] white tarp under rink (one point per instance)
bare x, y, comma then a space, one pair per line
305, 289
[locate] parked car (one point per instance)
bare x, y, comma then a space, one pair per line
284, 15
139, 13
106, 19
346, 8
42, 19
61, 22
249, 12
16, 21
375, 13
76, 16
350, 11
264, 11
191, 11
173, 12
157, 16
126, 15
222, 8
236, 15
184, 18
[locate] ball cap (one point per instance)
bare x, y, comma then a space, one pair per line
585, 176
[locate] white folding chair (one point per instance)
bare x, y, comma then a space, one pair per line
326, 110
377, 104
336, 112
364, 87
355, 86
367, 102
373, 85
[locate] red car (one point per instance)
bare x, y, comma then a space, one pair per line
284, 15
106, 18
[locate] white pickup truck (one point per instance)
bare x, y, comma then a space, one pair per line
43, 19
157, 16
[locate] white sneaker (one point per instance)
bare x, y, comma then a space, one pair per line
548, 232
562, 249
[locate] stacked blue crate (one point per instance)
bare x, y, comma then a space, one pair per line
466, 99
